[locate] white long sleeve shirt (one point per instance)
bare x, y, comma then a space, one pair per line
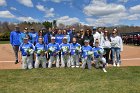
116, 42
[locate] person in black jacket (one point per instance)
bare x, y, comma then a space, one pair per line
88, 36
79, 39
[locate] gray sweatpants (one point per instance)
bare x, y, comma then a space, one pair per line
16, 49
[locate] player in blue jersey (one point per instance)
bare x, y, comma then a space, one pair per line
65, 53
53, 51
15, 41
27, 50
75, 53
33, 36
87, 54
40, 51
59, 37
98, 56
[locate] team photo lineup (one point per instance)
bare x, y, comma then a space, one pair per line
66, 47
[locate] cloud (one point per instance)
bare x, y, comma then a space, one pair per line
6, 14
101, 8
27, 3
49, 13
13, 8
123, 1
135, 9
40, 7
3, 3
67, 20
28, 19
58, 1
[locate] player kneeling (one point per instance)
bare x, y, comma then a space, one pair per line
75, 53
27, 50
40, 53
98, 56
65, 53
53, 51
87, 54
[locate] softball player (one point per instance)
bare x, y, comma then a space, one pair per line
75, 53
87, 54
65, 53
98, 56
53, 50
27, 50
40, 54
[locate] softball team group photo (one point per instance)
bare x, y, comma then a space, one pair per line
93, 47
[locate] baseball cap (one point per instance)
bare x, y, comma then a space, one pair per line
65, 38
32, 28
25, 37
26, 28
16, 26
52, 37
86, 40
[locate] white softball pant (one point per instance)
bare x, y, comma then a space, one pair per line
52, 59
65, 59
100, 60
88, 61
40, 60
27, 62
74, 60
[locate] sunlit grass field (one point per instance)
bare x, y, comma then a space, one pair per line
68, 80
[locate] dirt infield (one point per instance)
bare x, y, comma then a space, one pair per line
130, 57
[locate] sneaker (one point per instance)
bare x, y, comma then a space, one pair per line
77, 66
118, 65
72, 66
16, 62
114, 64
104, 70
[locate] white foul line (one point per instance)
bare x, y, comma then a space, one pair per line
131, 59
7, 61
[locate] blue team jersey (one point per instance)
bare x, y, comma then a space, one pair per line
15, 38
24, 47
73, 48
39, 46
46, 37
33, 36
96, 49
52, 48
85, 50
65, 47
24, 35
59, 38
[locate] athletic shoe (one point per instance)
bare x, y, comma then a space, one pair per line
16, 62
72, 66
114, 64
104, 70
118, 65
77, 66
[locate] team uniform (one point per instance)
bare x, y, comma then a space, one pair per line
40, 59
53, 50
98, 57
75, 54
59, 38
15, 42
33, 36
27, 51
65, 54
87, 55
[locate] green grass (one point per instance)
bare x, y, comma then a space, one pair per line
4, 42
67, 80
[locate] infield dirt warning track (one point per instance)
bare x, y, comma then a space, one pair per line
130, 57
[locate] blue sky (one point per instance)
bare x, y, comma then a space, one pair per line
89, 12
